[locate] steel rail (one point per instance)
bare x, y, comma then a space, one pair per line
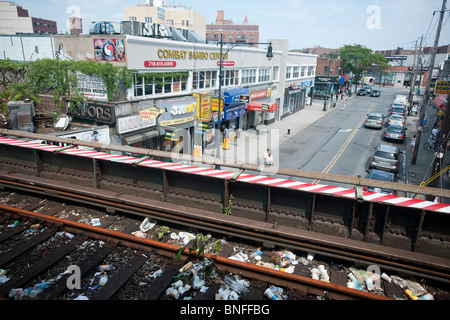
224, 264
255, 231
237, 165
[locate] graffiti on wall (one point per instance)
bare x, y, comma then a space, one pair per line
109, 50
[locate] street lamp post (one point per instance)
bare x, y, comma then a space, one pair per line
221, 43
269, 56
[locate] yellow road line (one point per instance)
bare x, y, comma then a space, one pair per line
344, 146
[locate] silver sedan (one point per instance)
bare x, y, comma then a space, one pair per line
396, 119
374, 120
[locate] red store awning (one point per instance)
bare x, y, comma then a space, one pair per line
260, 106
439, 101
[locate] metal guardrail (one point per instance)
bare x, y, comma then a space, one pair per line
333, 178
388, 220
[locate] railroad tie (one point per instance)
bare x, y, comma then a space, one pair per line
36, 269
10, 233
159, 286
23, 247
60, 286
119, 279
210, 294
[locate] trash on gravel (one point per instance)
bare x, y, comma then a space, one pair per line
146, 225
240, 256
95, 222
139, 234
237, 284
275, 293
186, 237
414, 287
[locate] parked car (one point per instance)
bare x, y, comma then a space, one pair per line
401, 99
385, 158
397, 110
361, 92
368, 89
396, 118
396, 105
375, 93
374, 120
395, 132
382, 176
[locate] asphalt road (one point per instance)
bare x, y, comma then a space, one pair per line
339, 143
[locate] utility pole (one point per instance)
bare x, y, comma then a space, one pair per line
413, 82
427, 87
441, 147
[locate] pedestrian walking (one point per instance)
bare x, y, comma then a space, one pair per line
413, 143
344, 104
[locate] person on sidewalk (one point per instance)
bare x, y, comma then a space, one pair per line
413, 143
344, 104
266, 156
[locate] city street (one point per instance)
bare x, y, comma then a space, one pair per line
339, 143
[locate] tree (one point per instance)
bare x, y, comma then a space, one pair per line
358, 59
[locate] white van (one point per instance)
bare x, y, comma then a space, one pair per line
401, 99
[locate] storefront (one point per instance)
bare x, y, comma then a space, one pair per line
136, 132
261, 110
177, 124
235, 101
326, 86
255, 115
295, 97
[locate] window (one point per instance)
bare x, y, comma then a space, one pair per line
276, 71
204, 79
133, 19
310, 71
296, 72
148, 19
165, 85
248, 76
170, 22
303, 72
264, 75
230, 77
288, 72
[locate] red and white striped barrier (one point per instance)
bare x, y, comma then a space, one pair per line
248, 178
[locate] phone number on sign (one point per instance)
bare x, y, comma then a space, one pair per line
156, 64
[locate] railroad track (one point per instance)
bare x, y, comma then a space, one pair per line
144, 257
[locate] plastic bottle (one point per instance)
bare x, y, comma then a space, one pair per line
256, 253
369, 283
68, 235
427, 296
385, 277
188, 266
324, 273
270, 294
105, 267
103, 279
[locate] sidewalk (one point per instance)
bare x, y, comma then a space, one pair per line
421, 171
253, 143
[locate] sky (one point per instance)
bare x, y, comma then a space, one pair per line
376, 24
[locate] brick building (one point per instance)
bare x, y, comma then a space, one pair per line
244, 32
15, 20
329, 67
